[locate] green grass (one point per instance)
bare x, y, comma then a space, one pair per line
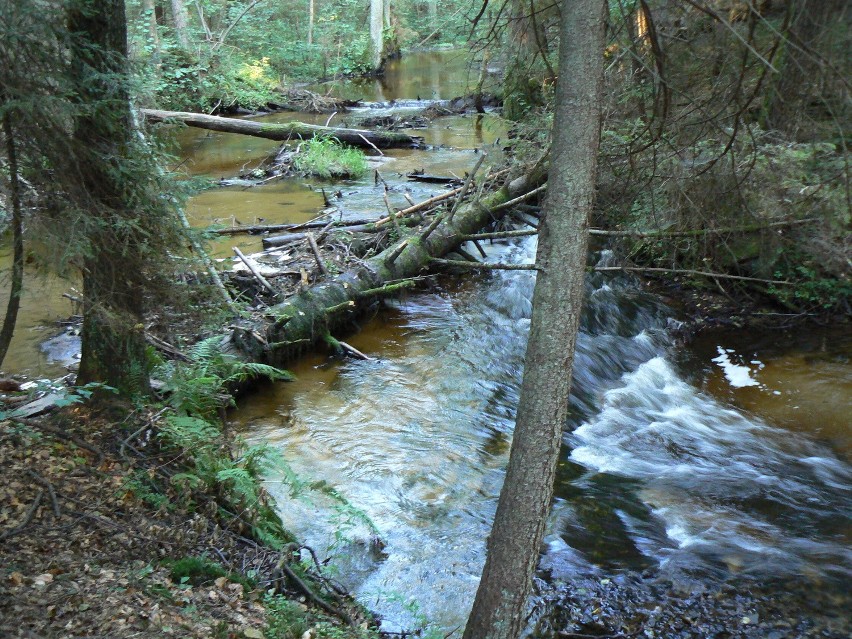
326, 158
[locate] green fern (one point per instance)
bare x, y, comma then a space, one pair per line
189, 433
196, 391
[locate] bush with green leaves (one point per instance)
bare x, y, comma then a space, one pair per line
201, 386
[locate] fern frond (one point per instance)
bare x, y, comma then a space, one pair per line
190, 433
249, 370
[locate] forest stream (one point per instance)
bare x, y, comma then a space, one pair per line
702, 486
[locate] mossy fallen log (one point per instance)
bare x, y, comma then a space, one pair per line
286, 130
316, 312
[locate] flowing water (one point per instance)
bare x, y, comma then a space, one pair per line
656, 474
664, 479
683, 472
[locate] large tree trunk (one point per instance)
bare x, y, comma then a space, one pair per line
113, 338
311, 316
286, 131
513, 547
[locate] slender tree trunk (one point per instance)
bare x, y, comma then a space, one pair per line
113, 343
377, 23
17, 239
181, 20
311, 9
513, 547
153, 33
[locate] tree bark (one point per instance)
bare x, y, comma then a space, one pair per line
180, 19
153, 33
311, 11
17, 283
113, 337
287, 131
377, 23
519, 524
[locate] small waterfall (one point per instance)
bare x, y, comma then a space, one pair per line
656, 475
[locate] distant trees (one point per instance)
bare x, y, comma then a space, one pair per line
807, 70
270, 42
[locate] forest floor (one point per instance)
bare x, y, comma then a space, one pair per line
83, 555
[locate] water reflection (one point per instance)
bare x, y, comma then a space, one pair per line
427, 75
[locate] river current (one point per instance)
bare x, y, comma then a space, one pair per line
656, 475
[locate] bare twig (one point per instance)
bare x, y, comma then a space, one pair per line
315, 250
50, 490
466, 185
368, 143
253, 269
310, 594
675, 271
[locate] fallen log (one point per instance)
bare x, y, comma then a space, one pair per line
416, 176
286, 130
313, 314
264, 228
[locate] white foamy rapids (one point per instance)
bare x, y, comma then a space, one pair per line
732, 492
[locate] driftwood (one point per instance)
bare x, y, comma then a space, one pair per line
314, 313
436, 179
285, 131
414, 208
266, 228
253, 269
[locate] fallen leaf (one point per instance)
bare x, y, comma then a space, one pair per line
42, 580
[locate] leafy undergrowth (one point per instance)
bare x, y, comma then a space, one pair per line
96, 541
